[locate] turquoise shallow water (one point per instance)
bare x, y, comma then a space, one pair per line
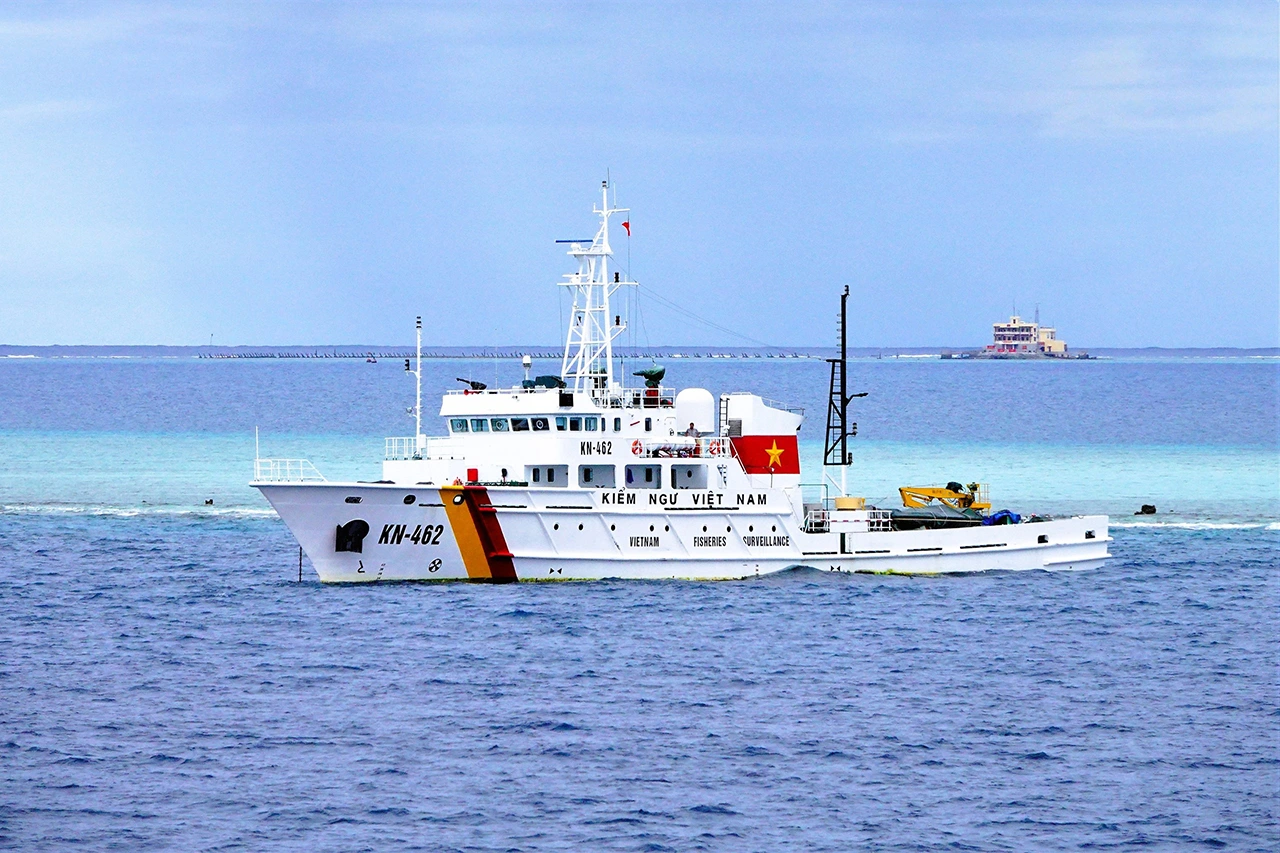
165, 683
178, 472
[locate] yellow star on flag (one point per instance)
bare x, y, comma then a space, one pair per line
775, 454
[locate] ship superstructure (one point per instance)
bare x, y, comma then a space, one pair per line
583, 476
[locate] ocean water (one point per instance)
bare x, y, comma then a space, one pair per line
167, 683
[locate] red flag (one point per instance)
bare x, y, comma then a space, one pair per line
768, 454
627, 225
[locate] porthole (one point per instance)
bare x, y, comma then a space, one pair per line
613, 527
579, 526
666, 528
704, 528
457, 499
650, 528
751, 528
555, 527
408, 499
728, 529
354, 499
775, 528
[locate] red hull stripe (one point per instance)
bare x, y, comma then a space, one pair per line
485, 518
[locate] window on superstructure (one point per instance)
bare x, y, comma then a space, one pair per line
458, 424
479, 425
590, 424
541, 424
617, 424
519, 424
648, 424
499, 424
575, 424
551, 475
562, 424
537, 475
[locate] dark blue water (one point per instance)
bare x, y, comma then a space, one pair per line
165, 683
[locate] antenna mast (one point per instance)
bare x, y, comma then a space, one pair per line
839, 430
420, 440
588, 348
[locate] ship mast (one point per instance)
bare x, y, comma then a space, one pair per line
588, 348
839, 428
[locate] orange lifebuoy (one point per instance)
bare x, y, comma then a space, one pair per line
713, 447
637, 447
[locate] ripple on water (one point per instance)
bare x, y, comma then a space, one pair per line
188, 694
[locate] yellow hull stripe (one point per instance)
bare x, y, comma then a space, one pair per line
465, 533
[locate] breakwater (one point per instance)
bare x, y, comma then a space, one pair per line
488, 354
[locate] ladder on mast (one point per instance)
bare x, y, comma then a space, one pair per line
839, 428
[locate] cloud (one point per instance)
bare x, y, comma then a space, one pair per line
40, 111
1159, 70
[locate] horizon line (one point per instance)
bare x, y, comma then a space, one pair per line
542, 350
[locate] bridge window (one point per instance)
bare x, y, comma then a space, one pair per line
499, 424
575, 424
562, 423
458, 424
479, 425
689, 476
644, 476
541, 424
596, 476
590, 424
550, 475
519, 424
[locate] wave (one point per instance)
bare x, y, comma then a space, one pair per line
106, 511
1202, 525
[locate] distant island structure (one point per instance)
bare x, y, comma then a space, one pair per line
1021, 338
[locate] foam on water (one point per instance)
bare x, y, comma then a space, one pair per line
136, 512
1197, 525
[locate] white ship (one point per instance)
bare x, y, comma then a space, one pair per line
579, 476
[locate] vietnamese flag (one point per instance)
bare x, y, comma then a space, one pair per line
768, 454
627, 225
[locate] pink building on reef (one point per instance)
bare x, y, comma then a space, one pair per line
1026, 339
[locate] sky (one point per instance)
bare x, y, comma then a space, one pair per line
320, 173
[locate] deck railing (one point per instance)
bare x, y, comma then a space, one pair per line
879, 520
406, 447
683, 448
286, 471
817, 520
786, 407
402, 447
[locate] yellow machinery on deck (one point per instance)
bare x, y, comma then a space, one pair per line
954, 495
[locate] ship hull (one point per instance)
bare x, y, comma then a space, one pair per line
356, 533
